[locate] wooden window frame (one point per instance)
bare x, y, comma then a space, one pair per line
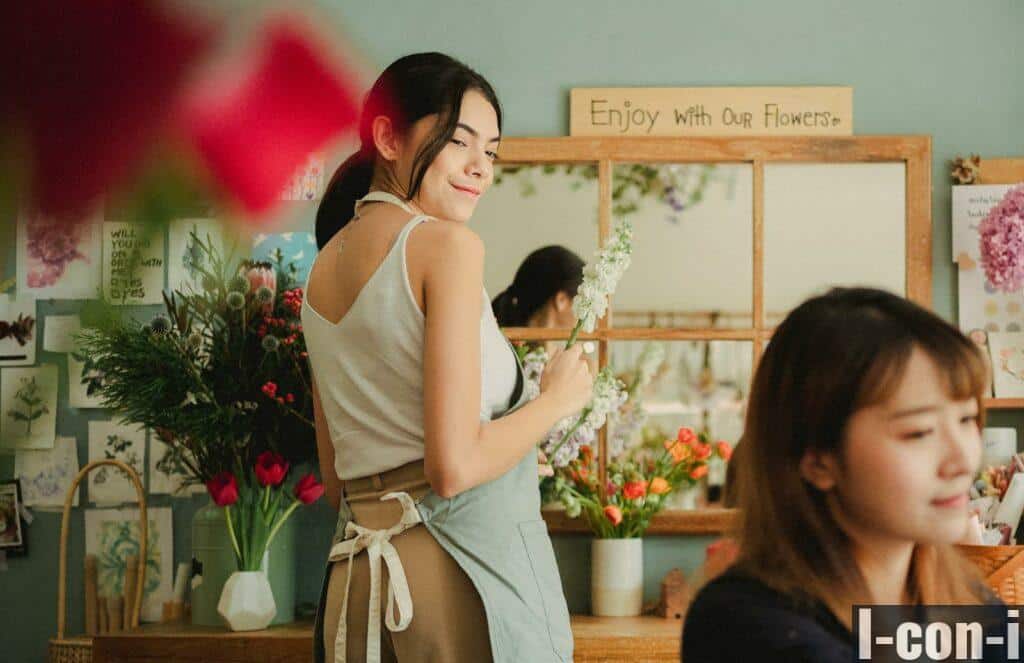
914, 151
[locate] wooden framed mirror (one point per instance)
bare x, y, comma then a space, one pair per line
729, 235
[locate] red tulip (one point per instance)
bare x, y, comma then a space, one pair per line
255, 123
634, 489
701, 451
686, 435
308, 489
223, 488
271, 467
699, 472
614, 514
724, 449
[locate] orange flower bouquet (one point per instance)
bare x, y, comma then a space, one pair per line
637, 487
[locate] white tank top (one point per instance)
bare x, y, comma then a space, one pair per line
369, 366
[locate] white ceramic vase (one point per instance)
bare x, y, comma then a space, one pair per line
246, 603
616, 577
685, 498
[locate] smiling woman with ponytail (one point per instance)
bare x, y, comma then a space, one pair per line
426, 440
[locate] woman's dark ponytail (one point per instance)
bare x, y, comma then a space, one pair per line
348, 184
506, 309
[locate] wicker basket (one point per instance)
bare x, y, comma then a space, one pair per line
79, 649
1003, 568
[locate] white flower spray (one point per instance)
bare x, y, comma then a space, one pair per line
600, 279
626, 423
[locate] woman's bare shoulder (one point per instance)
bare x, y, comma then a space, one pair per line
441, 244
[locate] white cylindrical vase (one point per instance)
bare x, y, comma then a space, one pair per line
616, 577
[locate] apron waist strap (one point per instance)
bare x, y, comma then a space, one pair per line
408, 478
377, 543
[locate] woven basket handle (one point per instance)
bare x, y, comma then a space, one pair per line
64, 526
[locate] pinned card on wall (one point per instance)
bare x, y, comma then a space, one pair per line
59, 332
123, 442
113, 534
1007, 351
186, 257
167, 472
78, 391
133, 265
307, 182
980, 304
28, 407
59, 260
18, 329
46, 474
294, 248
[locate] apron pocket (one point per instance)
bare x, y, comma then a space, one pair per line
549, 584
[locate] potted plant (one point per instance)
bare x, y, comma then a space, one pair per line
254, 513
637, 487
221, 377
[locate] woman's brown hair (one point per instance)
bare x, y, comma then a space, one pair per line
832, 356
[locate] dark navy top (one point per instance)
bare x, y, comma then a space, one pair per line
738, 618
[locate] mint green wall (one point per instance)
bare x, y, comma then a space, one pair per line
947, 68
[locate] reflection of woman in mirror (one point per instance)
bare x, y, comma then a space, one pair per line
541, 294
426, 445
853, 476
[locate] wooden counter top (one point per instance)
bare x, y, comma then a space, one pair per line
604, 639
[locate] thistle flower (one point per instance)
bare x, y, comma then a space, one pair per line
264, 295
160, 324
236, 300
238, 283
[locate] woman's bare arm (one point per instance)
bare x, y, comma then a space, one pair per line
461, 451
325, 451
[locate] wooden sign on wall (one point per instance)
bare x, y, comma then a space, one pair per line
711, 111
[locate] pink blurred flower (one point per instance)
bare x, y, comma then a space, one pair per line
255, 122
90, 86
